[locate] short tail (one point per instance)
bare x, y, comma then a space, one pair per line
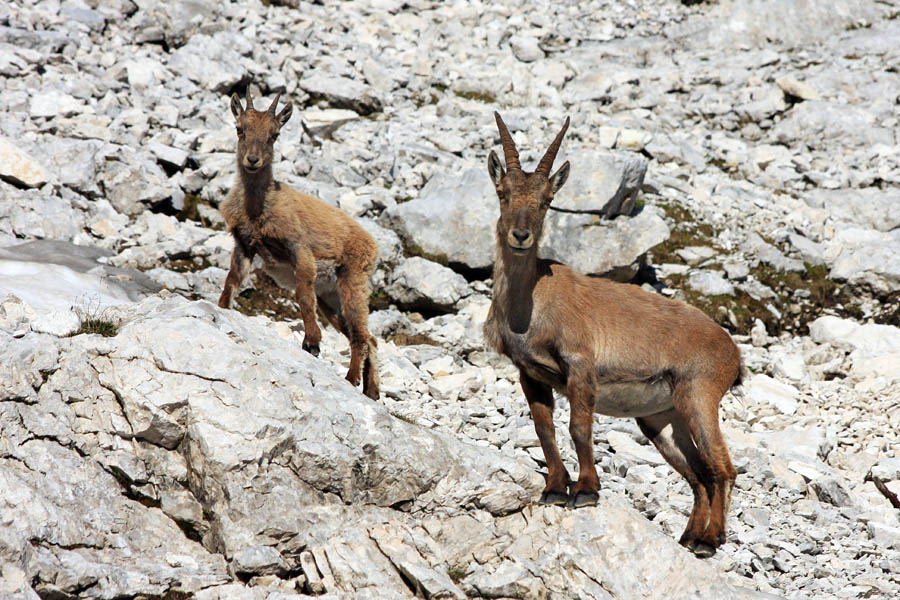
740, 379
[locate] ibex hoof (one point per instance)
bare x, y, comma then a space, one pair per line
552, 498
701, 549
311, 348
583, 499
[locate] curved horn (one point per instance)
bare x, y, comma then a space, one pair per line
547, 161
249, 99
271, 110
509, 146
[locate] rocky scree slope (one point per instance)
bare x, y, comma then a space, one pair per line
756, 162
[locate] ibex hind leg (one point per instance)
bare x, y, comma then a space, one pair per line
370, 370
694, 446
353, 289
699, 407
672, 437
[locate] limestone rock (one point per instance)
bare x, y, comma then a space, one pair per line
20, 167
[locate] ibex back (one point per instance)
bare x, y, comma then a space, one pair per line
292, 232
610, 348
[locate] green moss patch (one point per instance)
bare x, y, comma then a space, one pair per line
793, 310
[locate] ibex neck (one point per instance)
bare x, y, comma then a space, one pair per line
515, 276
255, 185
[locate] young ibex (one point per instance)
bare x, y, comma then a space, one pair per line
610, 348
291, 232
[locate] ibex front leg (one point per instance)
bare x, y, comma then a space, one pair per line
540, 402
581, 420
241, 258
305, 293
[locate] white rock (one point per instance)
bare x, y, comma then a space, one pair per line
765, 390
525, 48
710, 283
19, 166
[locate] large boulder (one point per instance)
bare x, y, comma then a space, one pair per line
872, 208
865, 256
593, 245
601, 182
454, 219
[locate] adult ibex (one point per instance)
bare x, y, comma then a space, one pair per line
610, 348
292, 232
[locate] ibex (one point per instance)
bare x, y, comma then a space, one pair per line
611, 348
292, 232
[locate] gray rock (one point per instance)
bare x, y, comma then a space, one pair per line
888, 469
590, 245
53, 275
172, 23
134, 182
870, 208
19, 167
819, 123
601, 182
453, 218
797, 22
797, 89
710, 283
259, 560
421, 284
525, 48
763, 389
212, 62
810, 251
342, 92
830, 490
865, 256
175, 157
769, 254
587, 87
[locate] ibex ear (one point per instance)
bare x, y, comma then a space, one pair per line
236, 109
285, 115
495, 168
559, 178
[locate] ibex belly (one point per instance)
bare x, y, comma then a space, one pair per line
633, 398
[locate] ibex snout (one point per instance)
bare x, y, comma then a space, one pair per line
520, 239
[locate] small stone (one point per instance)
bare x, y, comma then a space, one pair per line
710, 283
797, 89
20, 167
525, 48
765, 390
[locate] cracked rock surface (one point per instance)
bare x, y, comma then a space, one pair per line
197, 444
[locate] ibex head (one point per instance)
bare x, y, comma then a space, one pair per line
524, 197
257, 131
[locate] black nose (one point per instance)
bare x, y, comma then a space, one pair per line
521, 234
252, 160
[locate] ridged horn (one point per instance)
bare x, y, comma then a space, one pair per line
509, 146
547, 161
249, 99
271, 110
